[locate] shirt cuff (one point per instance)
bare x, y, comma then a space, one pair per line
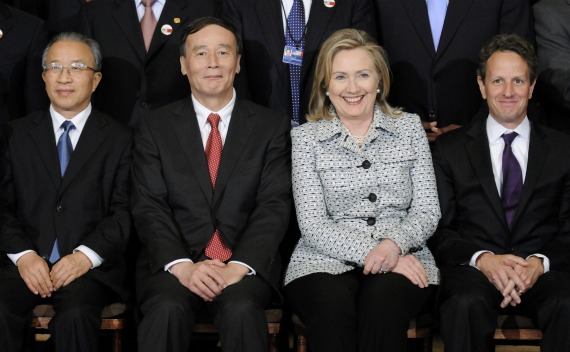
476, 256
545, 261
169, 265
95, 259
14, 257
251, 271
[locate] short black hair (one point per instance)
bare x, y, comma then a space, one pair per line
202, 22
509, 43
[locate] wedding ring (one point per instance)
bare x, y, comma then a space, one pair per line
520, 292
383, 271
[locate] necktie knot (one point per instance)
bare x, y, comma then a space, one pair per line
509, 138
214, 120
67, 126
148, 3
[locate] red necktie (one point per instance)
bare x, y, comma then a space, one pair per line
216, 249
148, 22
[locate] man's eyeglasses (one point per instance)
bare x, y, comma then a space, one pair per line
74, 69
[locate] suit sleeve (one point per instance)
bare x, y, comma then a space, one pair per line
553, 49
268, 220
111, 235
447, 245
152, 214
13, 238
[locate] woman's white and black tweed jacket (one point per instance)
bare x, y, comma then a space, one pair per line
349, 198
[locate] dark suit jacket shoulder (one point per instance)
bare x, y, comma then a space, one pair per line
472, 215
88, 206
23, 41
174, 207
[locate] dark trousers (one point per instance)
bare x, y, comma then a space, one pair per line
74, 328
169, 312
355, 312
470, 305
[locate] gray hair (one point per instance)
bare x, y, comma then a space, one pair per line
77, 37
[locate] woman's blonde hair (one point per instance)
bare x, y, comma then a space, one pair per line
348, 39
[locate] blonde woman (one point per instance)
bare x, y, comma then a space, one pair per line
366, 201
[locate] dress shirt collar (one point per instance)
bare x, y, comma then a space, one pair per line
225, 113
78, 120
156, 8
328, 129
495, 130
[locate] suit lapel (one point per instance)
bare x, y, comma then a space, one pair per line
269, 17
480, 157
173, 16
185, 126
537, 152
236, 139
44, 140
6, 19
456, 13
417, 11
125, 14
91, 137
319, 19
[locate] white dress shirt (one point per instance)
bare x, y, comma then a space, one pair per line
287, 5
156, 8
520, 150
79, 121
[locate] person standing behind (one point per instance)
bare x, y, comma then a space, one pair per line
366, 200
432, 47
22, 39
139, 39
64, 205
552, 25
212, 196
504, 186
271, 27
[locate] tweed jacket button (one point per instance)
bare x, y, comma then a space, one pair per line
371, 221
366, 164
372, 197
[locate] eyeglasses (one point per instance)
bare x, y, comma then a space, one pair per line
74, 69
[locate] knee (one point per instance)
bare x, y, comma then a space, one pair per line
239, 310
464, 302
166, 306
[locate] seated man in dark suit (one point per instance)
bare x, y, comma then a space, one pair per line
503, 242
211, 178
64, 217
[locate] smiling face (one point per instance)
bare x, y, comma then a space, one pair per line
211, 63
507, 88
353, 84
70, 94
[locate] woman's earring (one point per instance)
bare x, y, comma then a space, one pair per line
378, 90
327, 93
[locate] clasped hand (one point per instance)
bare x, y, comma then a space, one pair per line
42, 281
208, 278
510, 274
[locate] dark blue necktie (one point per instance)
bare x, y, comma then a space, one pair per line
512, 179
295, 36
64, 150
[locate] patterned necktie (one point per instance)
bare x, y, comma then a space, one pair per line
215, 249
436, 13
295, 36
148, 22
512, 179
64, 150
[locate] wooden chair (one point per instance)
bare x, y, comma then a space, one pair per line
420, 328
516, 328
112, 315
204, 326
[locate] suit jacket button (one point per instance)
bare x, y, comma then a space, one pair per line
371, 221
372, 197
59, 209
